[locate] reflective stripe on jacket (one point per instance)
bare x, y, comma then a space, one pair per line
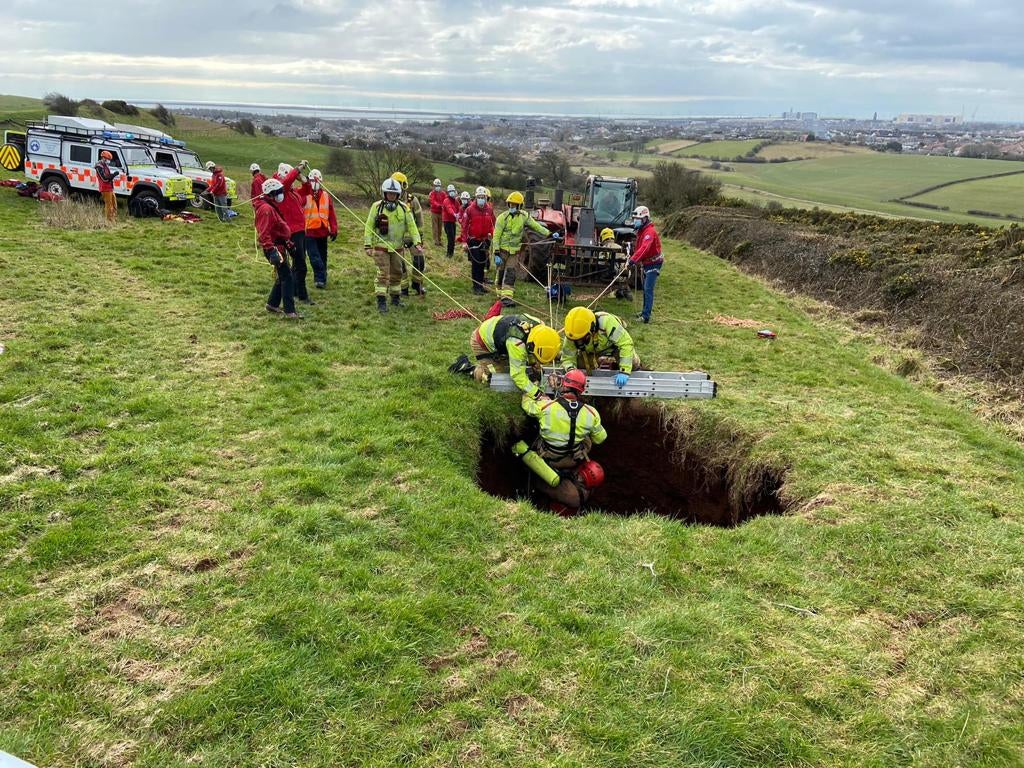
508, 230
401, 226
556, 424
506, 337
611, 338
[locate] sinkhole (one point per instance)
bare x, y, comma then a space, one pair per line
654, 462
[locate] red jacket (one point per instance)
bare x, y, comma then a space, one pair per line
271, 228
477, 223
437, 198
450, 209
218, 184
106, 176
294, 200
257, 185
648, 247
332, 220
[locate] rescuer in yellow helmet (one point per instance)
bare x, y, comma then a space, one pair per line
509, 235
513, 343
590, 336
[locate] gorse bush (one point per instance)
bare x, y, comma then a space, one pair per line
59, 104
673, 187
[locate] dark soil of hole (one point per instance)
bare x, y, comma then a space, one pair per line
647, 469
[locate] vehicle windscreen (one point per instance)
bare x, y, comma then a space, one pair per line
189, 160
137, 156
613, 203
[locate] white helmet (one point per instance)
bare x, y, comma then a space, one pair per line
316, 176
451, 188
271, 187
437, 182
210, 165
642, 212
254, 167
464, 196
481, 192
390, 185
284, 169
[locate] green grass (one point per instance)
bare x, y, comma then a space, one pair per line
723, 149
1004, 195
231, 540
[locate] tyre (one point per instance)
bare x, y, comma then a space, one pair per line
199, 202
146, 200
56, 185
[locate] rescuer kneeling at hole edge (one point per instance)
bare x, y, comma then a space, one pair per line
561, 454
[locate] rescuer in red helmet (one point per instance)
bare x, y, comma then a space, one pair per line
568, 430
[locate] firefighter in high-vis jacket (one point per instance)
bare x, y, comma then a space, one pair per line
410, 280
561, 453
513, 344
591, 336
390, 227
509, 237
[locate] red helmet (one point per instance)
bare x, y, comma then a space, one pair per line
591, 474
106, 155
574, 381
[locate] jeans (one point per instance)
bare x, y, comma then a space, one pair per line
284, 288
651, 273
449, 233
316, 248
299, 268
222, 207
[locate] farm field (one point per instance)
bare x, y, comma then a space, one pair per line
233, 541
668, 146
1003, 195
808, 149
723, 149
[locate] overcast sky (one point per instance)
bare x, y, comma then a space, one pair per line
722, 57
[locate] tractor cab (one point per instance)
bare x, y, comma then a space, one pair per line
611, 199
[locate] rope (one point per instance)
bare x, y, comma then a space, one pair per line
408, 263
609, 286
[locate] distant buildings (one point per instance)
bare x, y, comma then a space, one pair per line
791, 115
929, 120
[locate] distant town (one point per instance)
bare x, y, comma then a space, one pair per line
462, 139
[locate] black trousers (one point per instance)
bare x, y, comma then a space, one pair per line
299, 265
284, 288
449, 233
477, 262
316, 247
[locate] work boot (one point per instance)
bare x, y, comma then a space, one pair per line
275, 310
396, 301
419, 290
292, 316
641, 318
508, 302
405, 291
382, 305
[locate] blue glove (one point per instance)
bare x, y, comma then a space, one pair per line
497, 260
621, 379
556, 236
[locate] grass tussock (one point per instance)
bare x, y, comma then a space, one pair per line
75, 215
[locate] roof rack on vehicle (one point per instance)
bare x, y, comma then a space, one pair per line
81, 126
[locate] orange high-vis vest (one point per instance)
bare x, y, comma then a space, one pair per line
318, 215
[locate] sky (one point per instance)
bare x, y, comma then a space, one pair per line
612, 57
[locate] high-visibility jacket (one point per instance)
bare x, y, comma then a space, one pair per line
610, 338
402, 229
505, 336
508, 230
555, 422
319, 211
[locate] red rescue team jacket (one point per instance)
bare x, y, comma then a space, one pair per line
437, 198
106, 175
218, 184
477, 223
648, 247
257, 185
450, 209
294, 200
271, 229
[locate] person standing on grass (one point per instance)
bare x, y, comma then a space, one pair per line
450, 210
106, 176
390, 227
274, 237
257, 181
477, 233
509, 238
292, 212
647, 256
321, 225
218, 190
436, 199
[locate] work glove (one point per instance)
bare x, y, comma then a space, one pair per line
418, 249
498, 261
290, 247
333, 237
621, 379
556, 236
486, 245
304, 164
272, 255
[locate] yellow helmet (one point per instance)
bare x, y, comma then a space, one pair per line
607, 234
401, 178
544, 343
516, 198
579, 322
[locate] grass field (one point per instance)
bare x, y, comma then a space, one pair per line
668, 146
1003, 195
231, 540
808, 149
723, 149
